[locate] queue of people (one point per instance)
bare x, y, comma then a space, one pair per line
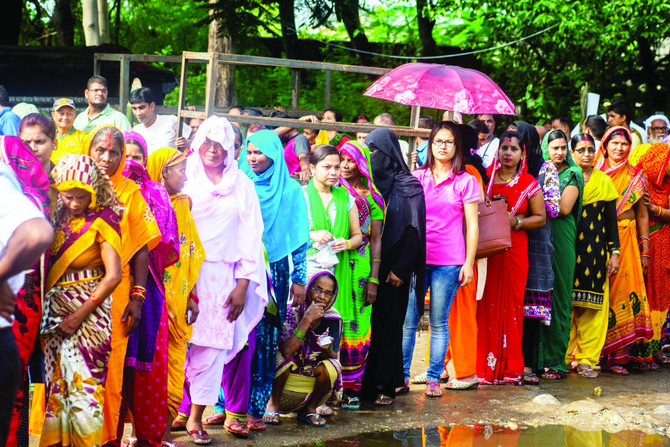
183, 273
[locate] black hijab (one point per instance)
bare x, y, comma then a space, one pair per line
470, 156
531, 140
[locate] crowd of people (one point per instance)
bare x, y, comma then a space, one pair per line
149, 272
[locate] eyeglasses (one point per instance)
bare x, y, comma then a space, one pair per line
448, 143
319, 291
659, 129
581, 150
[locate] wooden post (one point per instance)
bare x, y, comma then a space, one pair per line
183, 76
124, 82
583, 96
210, 90
96, 64
295, 88
326, 96
413, 122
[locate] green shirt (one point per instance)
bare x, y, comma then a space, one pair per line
107, 116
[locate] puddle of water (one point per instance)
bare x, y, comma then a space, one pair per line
487, 435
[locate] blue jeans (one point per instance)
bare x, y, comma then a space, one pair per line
409, 332
443, 283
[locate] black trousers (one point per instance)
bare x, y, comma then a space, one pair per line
10, 378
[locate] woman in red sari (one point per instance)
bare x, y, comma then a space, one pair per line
500, 312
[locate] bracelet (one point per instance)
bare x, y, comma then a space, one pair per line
349, 242
194, 297
96, 299
642, 239
660, 211
615, 251
377, 260
139, 291
373, 280
645, 254
298, 333
518, 223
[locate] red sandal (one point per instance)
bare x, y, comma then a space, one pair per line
237, 428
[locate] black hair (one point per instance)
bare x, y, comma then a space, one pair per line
360, 117
142, 94
597, 125
276, 114
96, 79
240, 108
320, 152
555, 135
479, 126
470, 156
337, 113
512, 134
426, 122
138, 144
457, 163
621, 107
616, 133
547, 122
480, 114
238, 133
578, 138
248, 111
564, 120
4, 96
47, 126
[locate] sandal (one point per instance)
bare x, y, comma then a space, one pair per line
553, 374
645, 366
167, 444
585, 370
661, 359
256, 425
402, 390
271, 418
199, 437
130, 441
179, 424
324, 410
433, 388
618, 369
350, 403
383, 399
420, 379
306, 419
444, 375
237, 428
530, 378
215, 419
459, 385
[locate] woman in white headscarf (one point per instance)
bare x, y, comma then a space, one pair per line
232, 285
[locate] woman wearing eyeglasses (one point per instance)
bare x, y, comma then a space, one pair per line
597, 259
451, 194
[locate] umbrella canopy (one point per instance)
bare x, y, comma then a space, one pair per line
445, 87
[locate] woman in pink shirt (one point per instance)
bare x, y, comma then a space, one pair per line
451, 194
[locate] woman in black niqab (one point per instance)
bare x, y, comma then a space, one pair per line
403, 264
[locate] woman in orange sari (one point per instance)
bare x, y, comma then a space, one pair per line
629, 319
76, 323
655, 165
139, 234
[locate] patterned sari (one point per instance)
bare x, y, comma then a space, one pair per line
354, 311
76, 366
629, 314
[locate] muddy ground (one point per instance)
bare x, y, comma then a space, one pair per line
640, 401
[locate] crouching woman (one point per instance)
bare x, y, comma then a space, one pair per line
308, 370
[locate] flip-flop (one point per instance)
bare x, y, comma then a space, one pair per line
553, 374
620, 370
585, 370
433, 388
179, 424
129, 441
274, 418
383, 399
215, 419
167, 444
237, 428
257, 425
459, 385
527, 378
200, 437
350, 403
324, 410
402, 390
306, 419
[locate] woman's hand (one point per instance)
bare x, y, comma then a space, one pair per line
192, 306
645, 264
236, 301
340, 244
321, 236
71, 323
466, 274
314, 312
393, 280
512, 219
309, 118
646, 200
370, 293
613, 265
134, 311
298, 292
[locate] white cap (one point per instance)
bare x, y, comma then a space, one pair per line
652, 118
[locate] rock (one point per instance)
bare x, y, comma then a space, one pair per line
584, 406
662, 409
597, 391
613, 418
546, 399
513, 426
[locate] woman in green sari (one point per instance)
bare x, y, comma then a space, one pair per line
356, 178
554, 338
334, 228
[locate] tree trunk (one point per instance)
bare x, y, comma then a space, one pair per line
64, 23
11, 17
90, 22
289, 35
426, 25
347, 12
103, 21
226, 95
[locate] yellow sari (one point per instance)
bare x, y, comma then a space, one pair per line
138, 228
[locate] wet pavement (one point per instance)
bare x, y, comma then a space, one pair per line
625, 409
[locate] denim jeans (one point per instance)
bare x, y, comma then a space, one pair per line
443, 283
409, 332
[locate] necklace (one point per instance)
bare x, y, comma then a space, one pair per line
506, 180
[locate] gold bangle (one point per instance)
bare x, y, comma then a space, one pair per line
377, 260
349, 242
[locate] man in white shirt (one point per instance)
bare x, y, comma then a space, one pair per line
24, 235
158, 130
488, 143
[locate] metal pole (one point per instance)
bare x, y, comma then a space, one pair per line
413, 122
326, 98
124, 81
295, 88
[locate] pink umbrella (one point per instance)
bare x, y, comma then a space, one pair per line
444, 87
